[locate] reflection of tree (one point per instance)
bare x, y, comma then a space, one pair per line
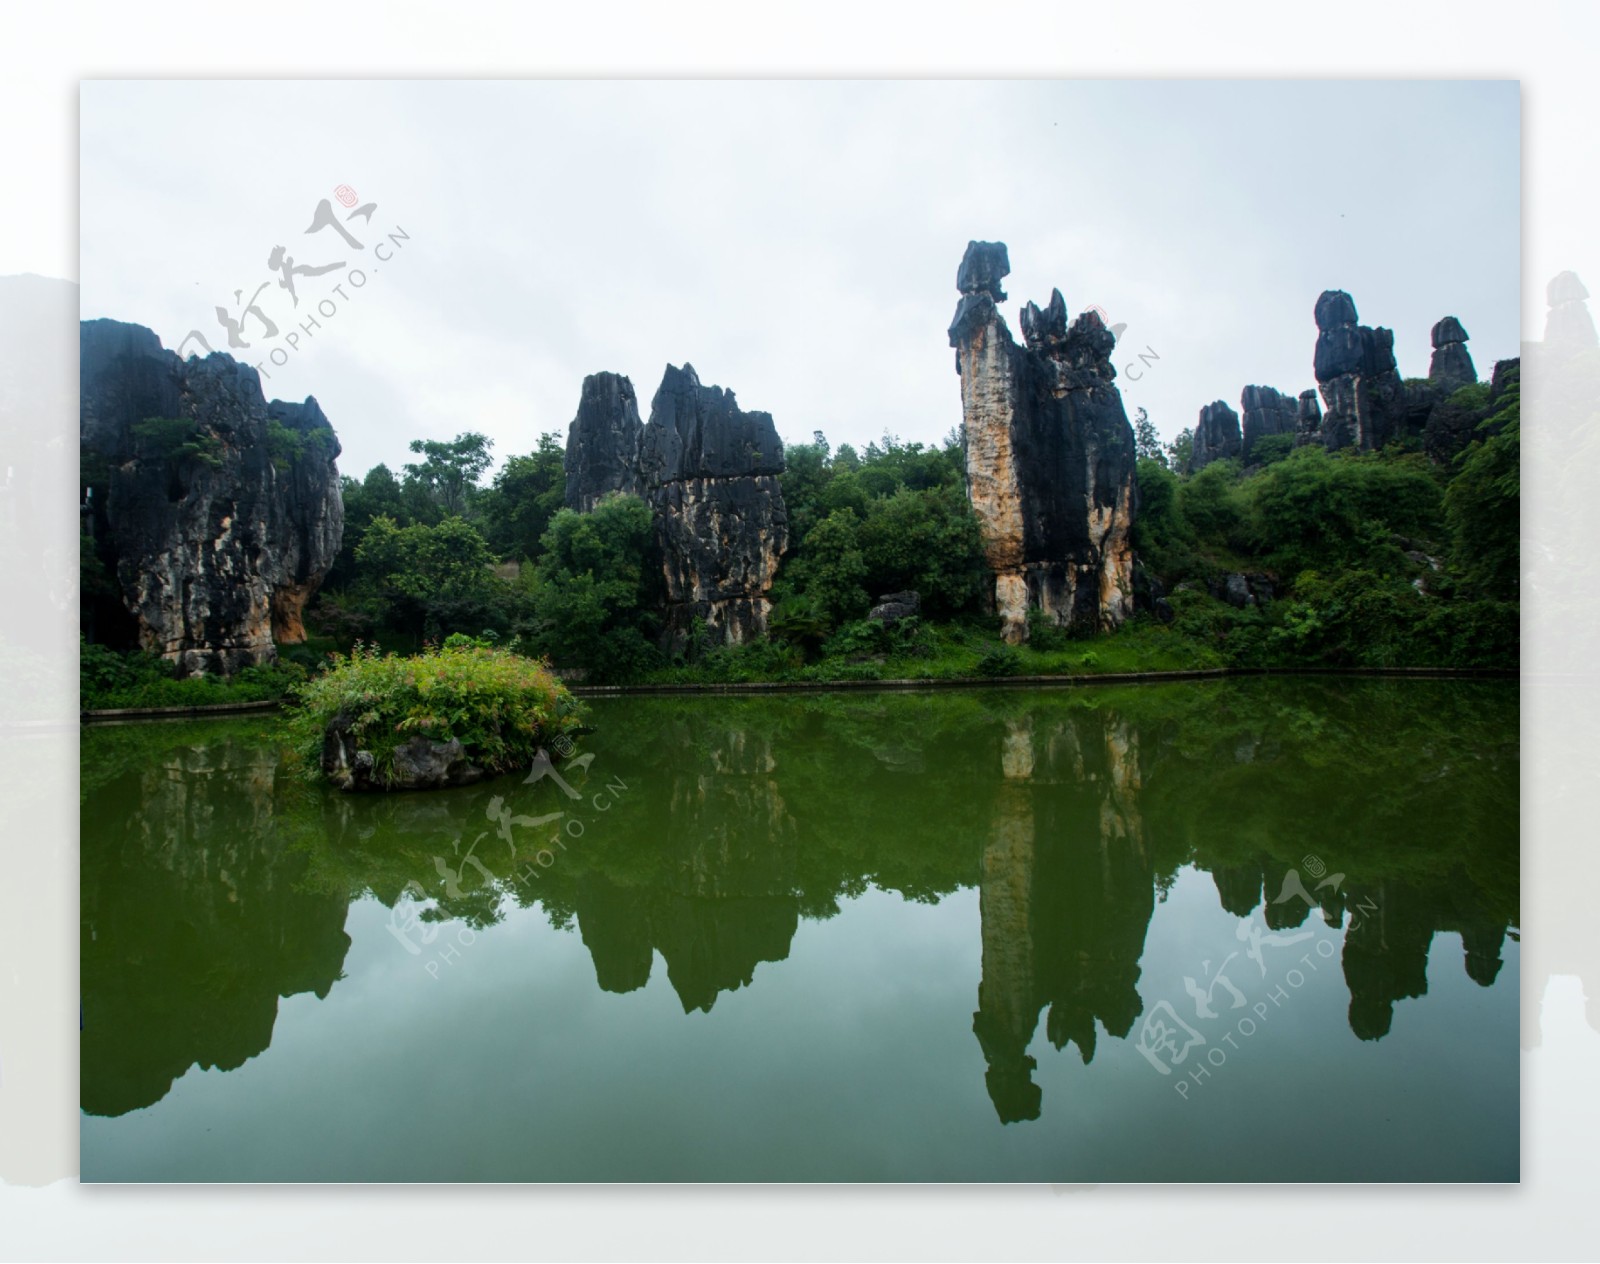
192, 927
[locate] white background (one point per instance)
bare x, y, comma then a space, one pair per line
1550, 48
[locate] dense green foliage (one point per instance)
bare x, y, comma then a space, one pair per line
502, 706
894, 518
593, 594
111, 681
1375, 559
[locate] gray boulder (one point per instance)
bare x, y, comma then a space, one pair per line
892, 607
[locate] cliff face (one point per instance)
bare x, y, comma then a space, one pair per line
709, 471
218, 512
1357, 375
1050, 453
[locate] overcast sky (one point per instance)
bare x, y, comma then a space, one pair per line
797, 242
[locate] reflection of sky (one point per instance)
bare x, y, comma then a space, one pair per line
853, 1059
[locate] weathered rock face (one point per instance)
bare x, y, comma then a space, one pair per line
1451, 366
892, 607
1267, 412
419, 764
1216, 435
1356, 373
709, 471
1568, 327
218, 523
1050, 453
603, 442
1308, 418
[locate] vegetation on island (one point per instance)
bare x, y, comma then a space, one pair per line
501, 706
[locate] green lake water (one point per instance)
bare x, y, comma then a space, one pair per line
1256, 929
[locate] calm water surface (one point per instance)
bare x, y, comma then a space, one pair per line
1231, 930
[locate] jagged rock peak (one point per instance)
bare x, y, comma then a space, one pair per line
982, 269
1356, 372
1335, 308
603, 442
1049, 454
1216, 435
700, 431
1451, 366
1266, 412
1308, 417
1045, 329
218, 526
709, 472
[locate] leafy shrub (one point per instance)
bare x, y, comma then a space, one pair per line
1000, 660
108, 680
501, 706
1270, 449
178, 439
1045, 634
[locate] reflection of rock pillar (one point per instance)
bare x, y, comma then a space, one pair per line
1385, 956
1119, 809
1007, 1007
1481, 946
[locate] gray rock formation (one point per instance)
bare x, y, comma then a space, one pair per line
1216, 436
1049, 452
1266, 412
1568, 327
892, 607
709, 471
1451, 367
217, 512
1308, 418
603, 441
419, 764
1356, 373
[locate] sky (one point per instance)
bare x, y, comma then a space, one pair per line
797, 242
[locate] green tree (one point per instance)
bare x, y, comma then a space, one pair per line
595, 591
831, 572
1162, 536
1181, 450
1483, 506
1146, 442
517, 507
435, 579
929, 541
449, 470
